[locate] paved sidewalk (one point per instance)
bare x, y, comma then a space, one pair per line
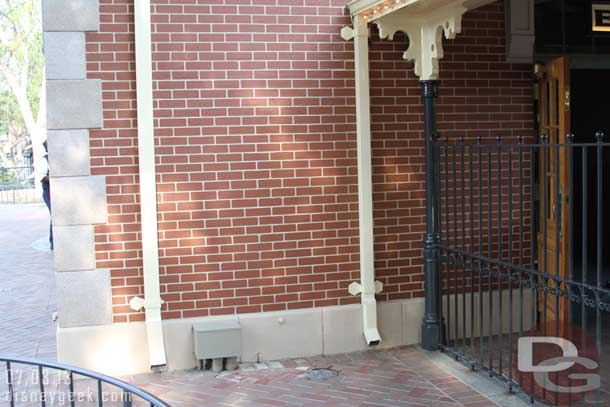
27, 283
403, 377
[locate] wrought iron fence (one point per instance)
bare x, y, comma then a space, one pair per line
524, 259
70, 386
17, 185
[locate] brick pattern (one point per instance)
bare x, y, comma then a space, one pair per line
27, 296
402, 377
255, 134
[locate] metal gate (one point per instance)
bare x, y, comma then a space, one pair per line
524, 245
17, 185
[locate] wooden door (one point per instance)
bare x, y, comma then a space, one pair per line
554, 121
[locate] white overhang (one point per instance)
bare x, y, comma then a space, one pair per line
423, 21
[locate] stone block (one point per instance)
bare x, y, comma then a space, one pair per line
69, 153
74, 104
70, 15
78, 200
343, 329
74, 248
281, 335
84, 298
64, 54
389, 321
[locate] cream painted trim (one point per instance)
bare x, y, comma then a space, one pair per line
424, 22
148, 184
373, 9
425, 34
367, 287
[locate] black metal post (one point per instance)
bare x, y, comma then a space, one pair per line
432, 330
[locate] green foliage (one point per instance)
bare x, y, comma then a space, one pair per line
20, 57
9, 112
7, 177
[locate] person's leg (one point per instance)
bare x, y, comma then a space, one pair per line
46, 197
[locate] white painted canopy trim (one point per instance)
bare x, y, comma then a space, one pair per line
423, 21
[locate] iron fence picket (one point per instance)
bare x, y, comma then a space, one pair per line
480, 271
463, 242
471, 245
500, 231
510, 260
490, 252
128, 391
455, 242
533, 246
17, 184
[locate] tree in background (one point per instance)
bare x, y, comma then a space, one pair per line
22, 72
15, 146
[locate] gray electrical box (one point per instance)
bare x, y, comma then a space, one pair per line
217, 339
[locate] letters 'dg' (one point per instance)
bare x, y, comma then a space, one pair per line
557, 364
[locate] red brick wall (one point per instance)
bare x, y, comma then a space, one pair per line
255, 134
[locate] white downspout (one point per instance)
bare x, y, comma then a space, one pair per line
368, 287
148, 185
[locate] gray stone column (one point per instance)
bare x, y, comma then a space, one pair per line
74, 105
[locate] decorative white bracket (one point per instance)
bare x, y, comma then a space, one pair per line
356, 288
347, 33
137, 303
425, 28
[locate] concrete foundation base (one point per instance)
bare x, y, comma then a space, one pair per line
121, 349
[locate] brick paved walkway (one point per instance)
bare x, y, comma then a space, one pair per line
27, 283
396, 378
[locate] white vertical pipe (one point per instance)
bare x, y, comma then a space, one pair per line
148, 184
365, 183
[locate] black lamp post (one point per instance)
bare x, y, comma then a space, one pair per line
432, 325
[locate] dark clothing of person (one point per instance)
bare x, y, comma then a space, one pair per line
46, 197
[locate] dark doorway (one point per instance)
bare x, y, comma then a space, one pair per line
590, 112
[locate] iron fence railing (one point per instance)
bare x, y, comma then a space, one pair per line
17, 184
524, 253
37, 387
16, 178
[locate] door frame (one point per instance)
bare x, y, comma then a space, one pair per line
553, 121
